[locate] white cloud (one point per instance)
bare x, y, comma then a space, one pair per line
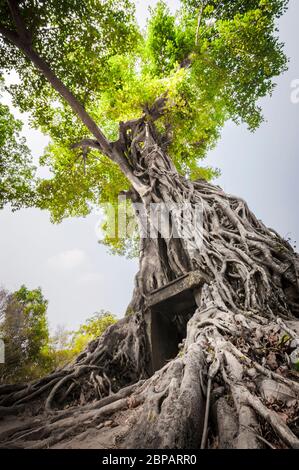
67, 260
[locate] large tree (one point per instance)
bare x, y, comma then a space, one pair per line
134, 112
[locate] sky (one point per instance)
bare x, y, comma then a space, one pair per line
79, 277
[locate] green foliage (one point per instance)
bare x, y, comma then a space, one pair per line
16, 168
76, 37
164, 46
215, 59
65, 345
77, 186
24, 329
120, 229
34, 308
94, 327
30, 351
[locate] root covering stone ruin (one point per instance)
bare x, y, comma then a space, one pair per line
228, 377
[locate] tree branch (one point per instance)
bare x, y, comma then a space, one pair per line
157, 109
64, 92
104, 145
199, 22
21, 41
153, 113
18, 21
85, 143
8, 34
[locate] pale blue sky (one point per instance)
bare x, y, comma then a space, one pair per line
77, 274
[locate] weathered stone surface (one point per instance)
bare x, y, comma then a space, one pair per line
164, 305
176, 294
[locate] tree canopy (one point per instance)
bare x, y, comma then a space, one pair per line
213, 60
16, 168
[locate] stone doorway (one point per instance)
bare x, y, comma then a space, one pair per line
169, 309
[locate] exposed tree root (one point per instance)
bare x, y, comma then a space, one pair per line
235, 375
169, 410
121, 351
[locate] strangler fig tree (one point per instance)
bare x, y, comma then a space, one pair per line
133, 112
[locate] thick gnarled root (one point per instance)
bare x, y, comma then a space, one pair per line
118, 358
234, 382
250, 389
218, 392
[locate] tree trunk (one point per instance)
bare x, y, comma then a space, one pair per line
233, 382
